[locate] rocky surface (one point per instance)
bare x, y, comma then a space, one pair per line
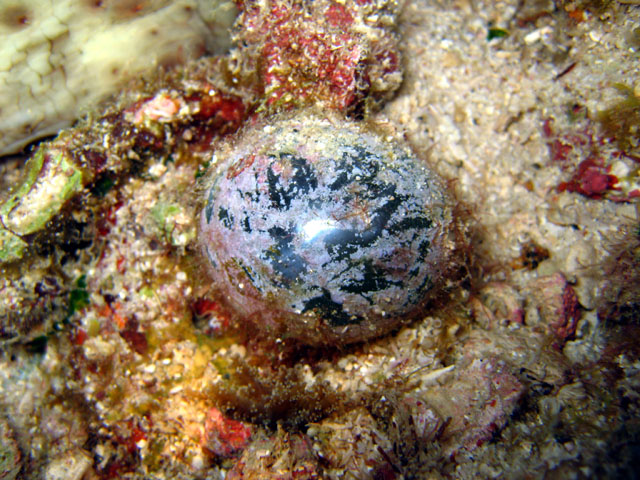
118, 363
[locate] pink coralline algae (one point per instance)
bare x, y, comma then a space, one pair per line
309, 53
224, 436
479, 403
558, 306
324, 232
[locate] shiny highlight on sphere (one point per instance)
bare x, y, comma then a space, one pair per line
322, 231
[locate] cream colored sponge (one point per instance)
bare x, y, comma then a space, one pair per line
60, 57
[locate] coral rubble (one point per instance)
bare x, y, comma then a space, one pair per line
119, 361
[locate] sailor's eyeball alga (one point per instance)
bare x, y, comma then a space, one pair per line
323, 231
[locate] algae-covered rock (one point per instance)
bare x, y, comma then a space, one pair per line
51, 179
